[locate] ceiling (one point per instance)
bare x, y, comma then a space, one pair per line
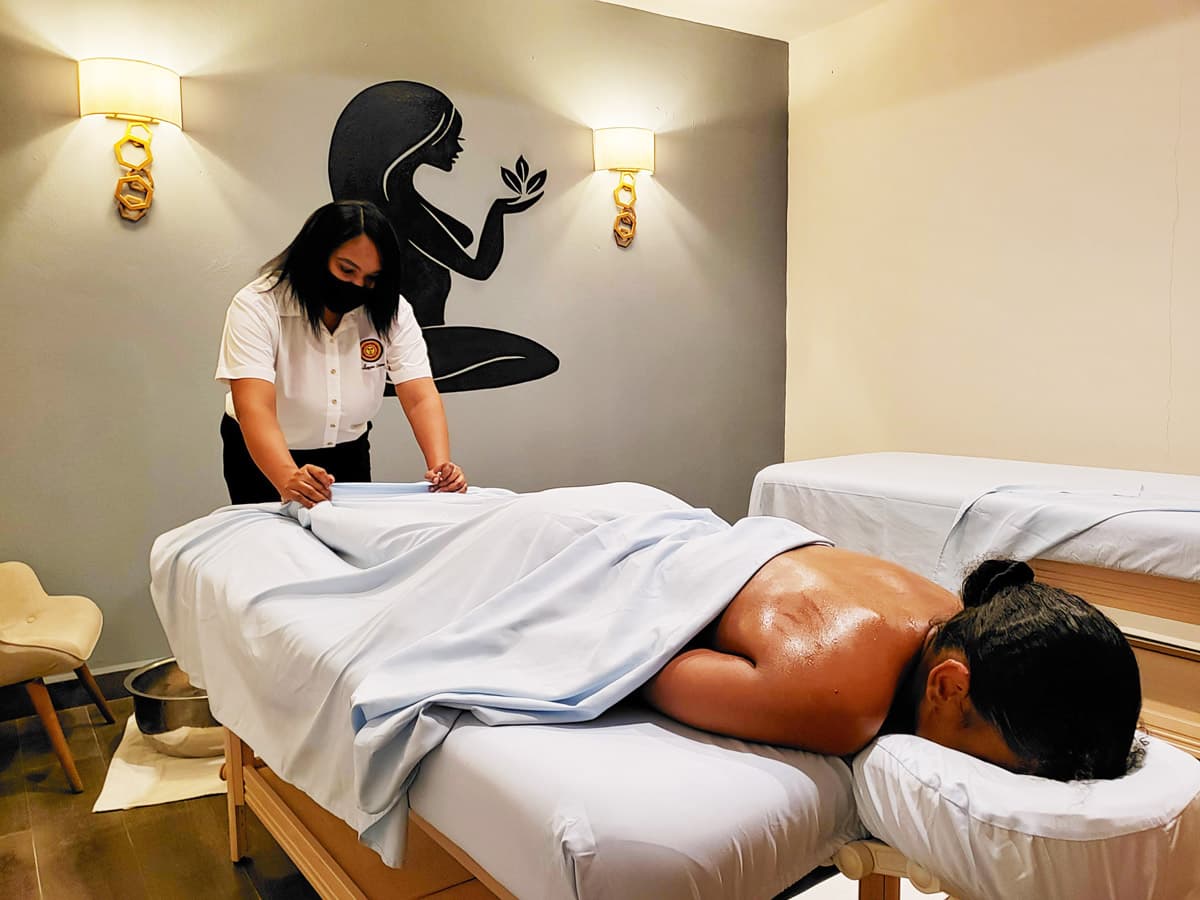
780, 19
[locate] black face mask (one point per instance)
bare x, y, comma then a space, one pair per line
343, 296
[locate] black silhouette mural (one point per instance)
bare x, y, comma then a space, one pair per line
381, 138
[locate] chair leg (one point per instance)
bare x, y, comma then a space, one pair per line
85, 675
45, 710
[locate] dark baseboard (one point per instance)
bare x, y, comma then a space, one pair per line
15, 703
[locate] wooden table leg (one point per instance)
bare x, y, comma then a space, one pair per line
237, 755
879, 887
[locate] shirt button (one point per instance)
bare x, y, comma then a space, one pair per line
332, 425
333, 371
335, 401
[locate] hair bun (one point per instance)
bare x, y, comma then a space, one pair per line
992, 576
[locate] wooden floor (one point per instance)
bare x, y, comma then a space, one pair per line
52, 845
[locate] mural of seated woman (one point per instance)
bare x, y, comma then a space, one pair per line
381, 138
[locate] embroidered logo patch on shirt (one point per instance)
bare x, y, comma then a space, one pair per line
371, 349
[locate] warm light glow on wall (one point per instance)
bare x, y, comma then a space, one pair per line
128, 89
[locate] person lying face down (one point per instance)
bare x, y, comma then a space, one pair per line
824, 648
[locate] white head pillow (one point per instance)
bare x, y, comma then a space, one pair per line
991, 835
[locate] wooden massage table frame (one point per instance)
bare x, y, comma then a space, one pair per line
1170, 674
327, 851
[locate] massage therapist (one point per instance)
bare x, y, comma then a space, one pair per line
305, 351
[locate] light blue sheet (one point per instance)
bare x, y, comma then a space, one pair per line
341, 643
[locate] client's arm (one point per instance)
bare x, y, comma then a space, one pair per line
820, 708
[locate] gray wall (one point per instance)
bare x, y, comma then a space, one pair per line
672, 352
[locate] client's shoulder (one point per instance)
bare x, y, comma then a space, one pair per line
831, 635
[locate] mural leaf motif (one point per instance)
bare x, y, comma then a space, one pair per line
510, 179
536, 182
522, 169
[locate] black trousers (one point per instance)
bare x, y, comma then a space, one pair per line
350, 461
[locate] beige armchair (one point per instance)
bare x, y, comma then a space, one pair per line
42, 635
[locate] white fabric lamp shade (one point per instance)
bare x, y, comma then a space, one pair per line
623, 149
127, 88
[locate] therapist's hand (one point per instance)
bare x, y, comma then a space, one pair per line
446, 478
308, 485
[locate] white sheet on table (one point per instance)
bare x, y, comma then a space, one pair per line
903, 506
344, 654
633, 804
1028, 522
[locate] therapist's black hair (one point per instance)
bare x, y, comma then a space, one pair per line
304, 263
1049, 670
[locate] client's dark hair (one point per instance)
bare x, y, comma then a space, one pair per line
1049, 670
304, 263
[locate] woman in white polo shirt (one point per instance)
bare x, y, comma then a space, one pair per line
305, 351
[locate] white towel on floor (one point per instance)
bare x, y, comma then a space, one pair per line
141, 776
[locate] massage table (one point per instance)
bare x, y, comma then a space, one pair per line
1132, 547
628, 804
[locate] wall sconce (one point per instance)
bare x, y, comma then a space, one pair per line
140, 94
628, 151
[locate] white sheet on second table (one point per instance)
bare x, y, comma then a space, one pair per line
1031, 522
904, 506
344, 654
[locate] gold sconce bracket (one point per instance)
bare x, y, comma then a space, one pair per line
625, 227
625, 224
134, 194
626, 187
135, 189
140, 141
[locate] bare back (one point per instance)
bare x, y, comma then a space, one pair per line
809, 653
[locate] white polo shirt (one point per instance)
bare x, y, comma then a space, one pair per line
327, 386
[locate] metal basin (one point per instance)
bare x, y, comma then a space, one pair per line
172, 713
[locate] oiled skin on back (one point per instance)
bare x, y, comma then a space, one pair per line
809, 653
